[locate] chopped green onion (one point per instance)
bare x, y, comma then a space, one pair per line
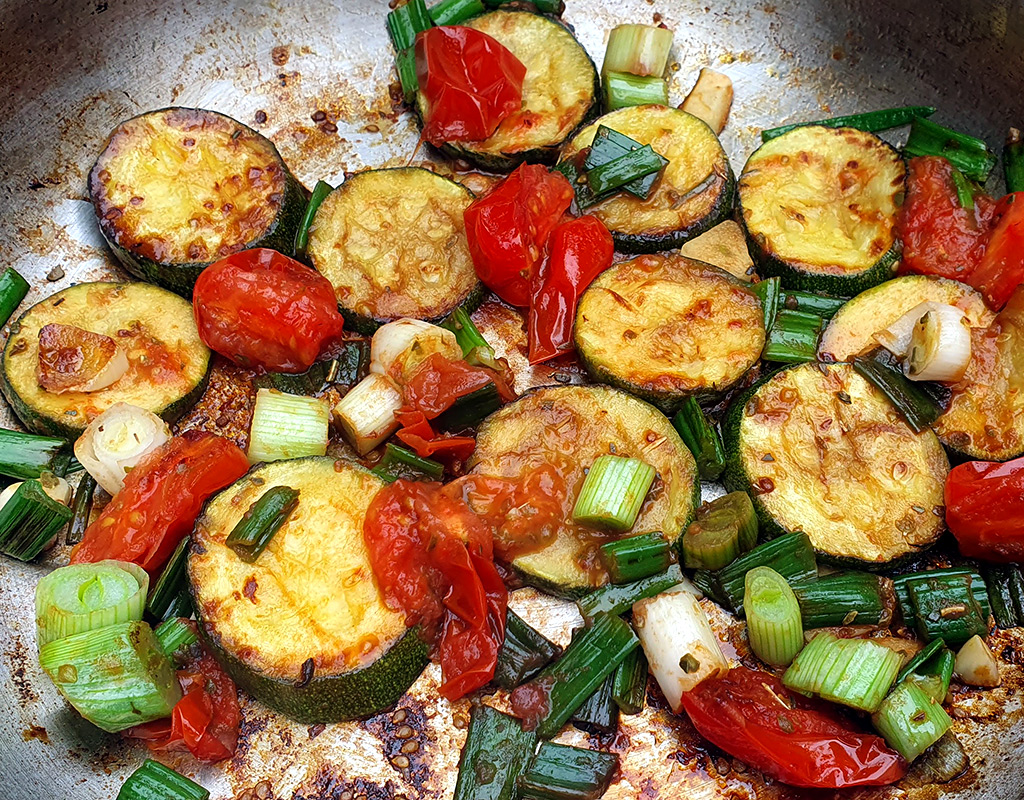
13, 289
175, 635
405, 22
851, 672
1013, 161
793, 339
497, 751
257, 527
1002, 594
613, 175
366, 413
637, 50
635, 557
822, 305
918, 408
170, 584
319, 194
934, 677
629, 686
900, 584
622, 90
523, 654
454, 12
154, 781
944, 607
469, 409
910, 721
881, 120
29, 521
614, 599
575, 174
791, 555
923, 656
968, 154
569, 681
609, 144
25, 455
613, 493
769, 292
702, 439
401, 463
287, 426
843, 598
475, 349
115, 677
555, 7
774, 624
964, 190
598, 714
84, 597
405, 65
81, 509
724, 529
561, 772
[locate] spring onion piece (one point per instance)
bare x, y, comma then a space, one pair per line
964, 190
770, 293
497, 751
1005, 601
968, 154
561, 772
287, 426
881, 120
842, 598
622, 90
599, 714
180, 606
609, 144
115, 677
944, 761
613, 175
612, 599
910, 721
13, 289
562, 687
975, 664
973, 579
791, 555
613, 493
353, 364
852, 672
702, 439
81, 509
175, 636
678, 642
318, 195
629, 685
469, 409
313, 381
896, 338
635, 557
638, 50
25, 455
454, 12
406, 21
811, 303
774, 624
117, 440
405, 66
154, 781
523, 654
475, 348
934, 677
367, 413
724, 529
940, 346
918, 408
1013, 166
398, 347
257, 527
29, 520
944, 607
401, 463
710, 99
170, 584
793, 339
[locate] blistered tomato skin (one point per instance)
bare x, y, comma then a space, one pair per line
1001, 269
985, 509
261, 309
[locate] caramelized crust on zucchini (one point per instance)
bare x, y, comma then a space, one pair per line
824, 452
167, 361
304, 628
695, 191
819, 205
665, 327
179, 188
393, 244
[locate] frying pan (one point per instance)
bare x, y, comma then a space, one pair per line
314, 76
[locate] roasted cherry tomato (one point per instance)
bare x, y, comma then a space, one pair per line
752, 716
469, 81
580, 250
421, 437
509, 229
161, 498
1001, 269
985, 509
262, 309
438, 382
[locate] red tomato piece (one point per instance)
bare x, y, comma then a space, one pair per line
581, 249
752, 716
262, 309
470, 82
417, 433
509, 228
985, 509
1001, 269
438, 382
160, 501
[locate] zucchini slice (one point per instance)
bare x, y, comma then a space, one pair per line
824, 452
167, 361
309, 600
176, 189
696, 189
819, 205
568, 427
664, 327
393, 244
560, 92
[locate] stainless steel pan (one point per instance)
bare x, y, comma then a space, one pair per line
314, 76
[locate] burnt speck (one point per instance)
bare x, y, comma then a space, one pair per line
328, 127
308, 668
279, 55
403, 741
318, 116
261, 117
316, 730
37, 732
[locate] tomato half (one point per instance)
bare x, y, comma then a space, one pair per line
262, 309
1001, 269
469, 81
985, 509
752, 716
161, 498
